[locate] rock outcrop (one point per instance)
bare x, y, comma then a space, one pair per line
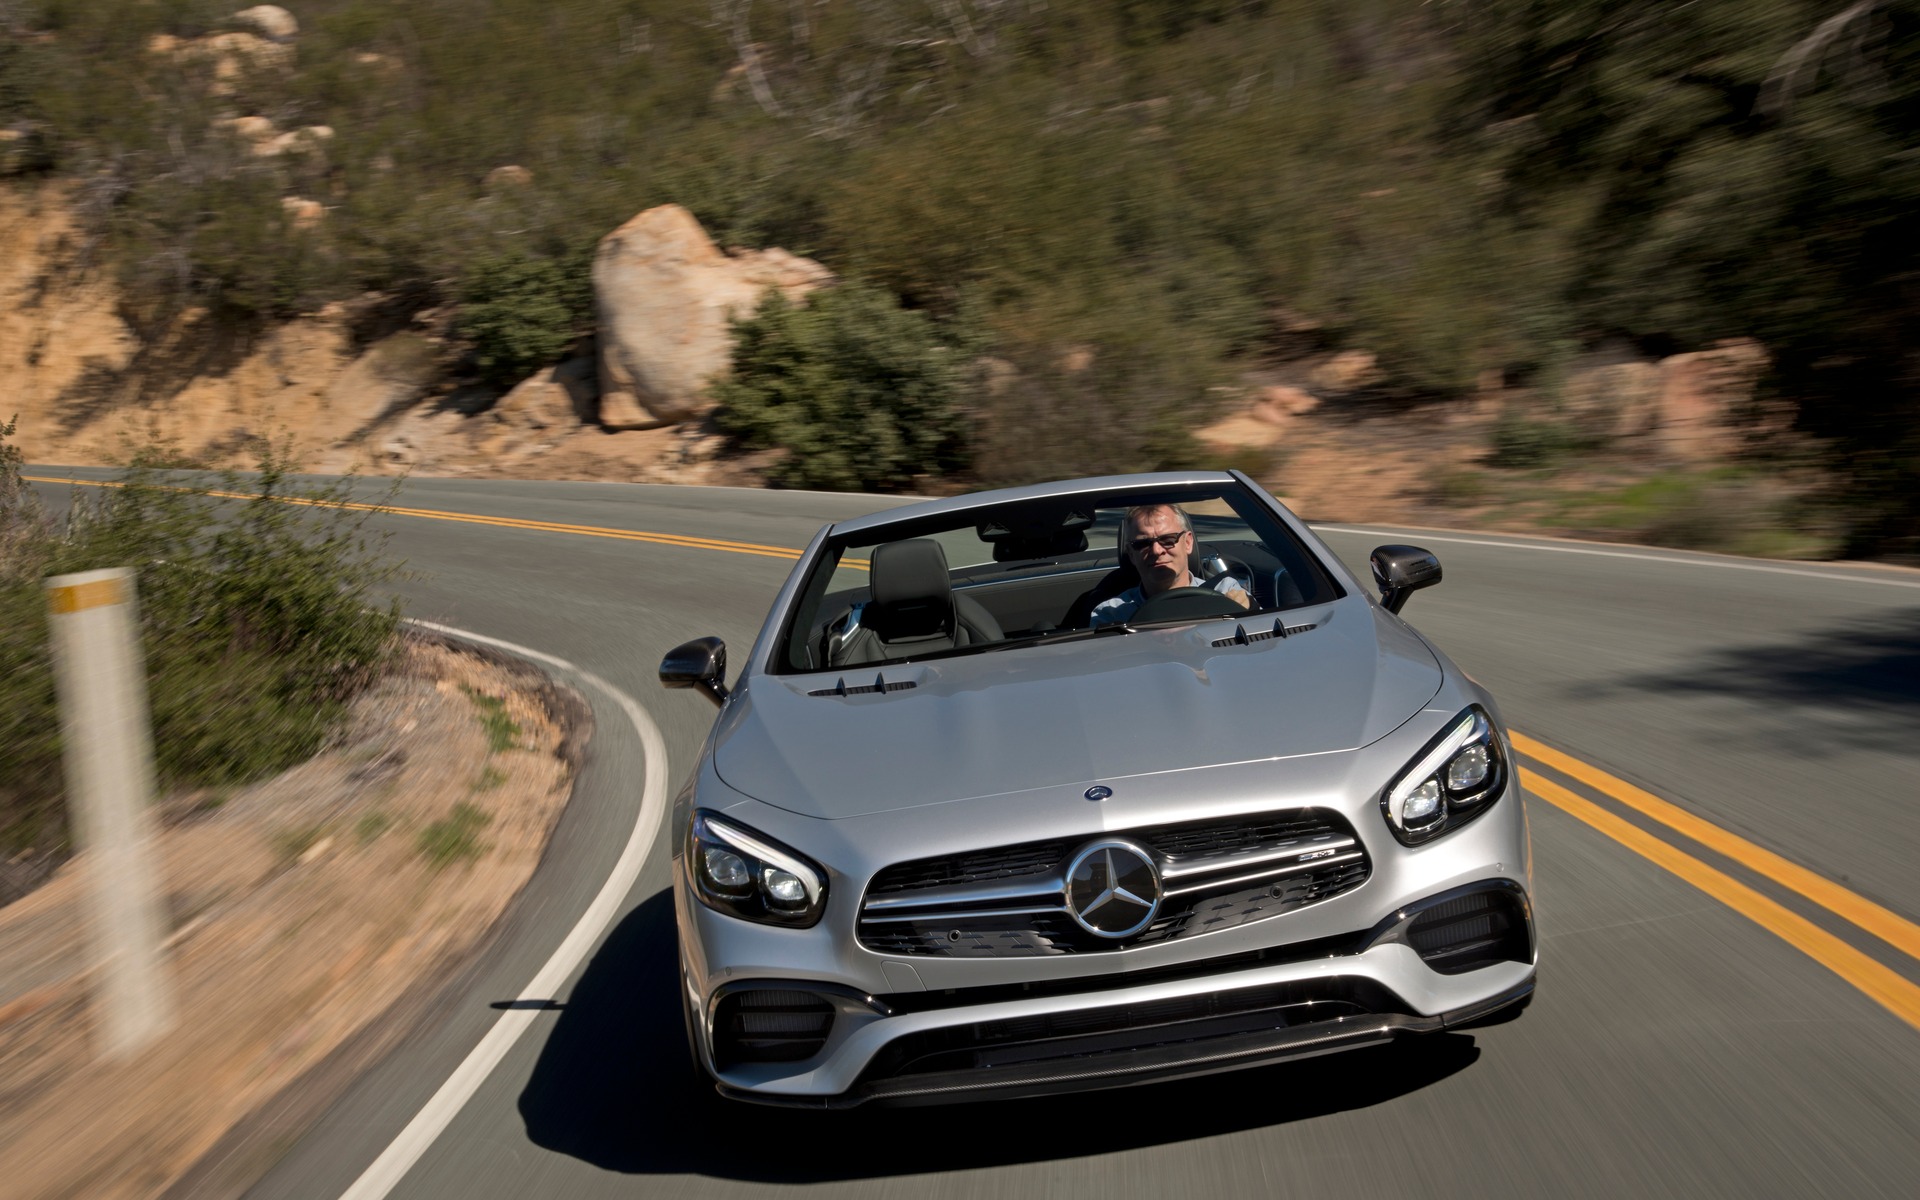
303, 213
512, 175
1689, 407
543, 408
1347, 371
263, 140
1704, 397
663, 294
269, 21
231, 57
1260, 422
1613, 400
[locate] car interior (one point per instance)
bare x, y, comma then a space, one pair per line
1027, 573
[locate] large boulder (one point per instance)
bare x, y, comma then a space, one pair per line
663, 294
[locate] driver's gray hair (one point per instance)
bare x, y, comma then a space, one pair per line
1141, 510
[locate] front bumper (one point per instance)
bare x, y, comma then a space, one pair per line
1242, 1010
1090, 1062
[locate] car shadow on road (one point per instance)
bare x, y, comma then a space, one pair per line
1839, 688
614, 1087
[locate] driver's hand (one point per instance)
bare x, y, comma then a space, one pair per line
1238, 596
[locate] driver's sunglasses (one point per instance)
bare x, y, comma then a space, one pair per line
1167, 542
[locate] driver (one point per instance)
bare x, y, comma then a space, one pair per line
1158, 540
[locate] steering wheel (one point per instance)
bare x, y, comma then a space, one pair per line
1198, 603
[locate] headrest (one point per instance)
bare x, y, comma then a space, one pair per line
1052, 545
1043, 530
912, 595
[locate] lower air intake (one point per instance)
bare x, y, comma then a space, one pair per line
1473, 931
770, 1026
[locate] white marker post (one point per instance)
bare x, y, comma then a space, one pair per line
101, 677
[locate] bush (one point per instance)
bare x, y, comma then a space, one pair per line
259, 623
1524, 443
521, 313
861, 393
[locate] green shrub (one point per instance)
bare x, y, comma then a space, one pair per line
454, 837
503, 732
259, 620
1523, 443
520, 313
369, 827
860, 392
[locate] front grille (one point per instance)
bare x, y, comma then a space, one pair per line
1090, 1032
1473, 931
1010, 901
769, 1025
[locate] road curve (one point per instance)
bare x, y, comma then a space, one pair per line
1707, 1022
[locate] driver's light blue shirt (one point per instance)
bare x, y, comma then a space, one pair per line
1121, 607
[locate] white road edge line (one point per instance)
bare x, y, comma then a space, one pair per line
406, 1149
1837, 574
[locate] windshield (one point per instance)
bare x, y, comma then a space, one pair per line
1036, 572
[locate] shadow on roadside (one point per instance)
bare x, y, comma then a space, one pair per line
614, 1087
1853, 686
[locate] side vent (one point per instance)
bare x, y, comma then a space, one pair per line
879, 684
1242, 636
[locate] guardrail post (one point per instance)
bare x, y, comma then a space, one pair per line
108, 744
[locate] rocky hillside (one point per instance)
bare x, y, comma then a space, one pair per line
1113, 226
628, 405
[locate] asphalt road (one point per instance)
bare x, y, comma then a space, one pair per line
1677, 1046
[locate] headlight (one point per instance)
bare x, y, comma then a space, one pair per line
1457, 777
745, 874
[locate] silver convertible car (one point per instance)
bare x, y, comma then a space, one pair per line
1081, 785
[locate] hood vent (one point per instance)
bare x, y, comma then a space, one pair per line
880, 684
1243, 636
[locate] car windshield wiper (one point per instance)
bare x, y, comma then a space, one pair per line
1065, 635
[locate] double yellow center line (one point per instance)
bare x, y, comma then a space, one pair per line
435, 514
1889, 988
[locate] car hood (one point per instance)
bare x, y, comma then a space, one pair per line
1093, 711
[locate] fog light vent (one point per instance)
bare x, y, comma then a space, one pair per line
771, 1025
1470, 932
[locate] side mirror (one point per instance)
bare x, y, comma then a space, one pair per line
1401, 571
700, 663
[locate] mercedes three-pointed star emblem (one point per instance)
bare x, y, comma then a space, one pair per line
1113, 889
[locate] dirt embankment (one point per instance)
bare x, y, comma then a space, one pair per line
310, 916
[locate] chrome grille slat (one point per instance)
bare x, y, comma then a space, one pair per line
961, 915
1280, 872
967, 895
1180, 868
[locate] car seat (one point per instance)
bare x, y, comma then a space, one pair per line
914, 609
